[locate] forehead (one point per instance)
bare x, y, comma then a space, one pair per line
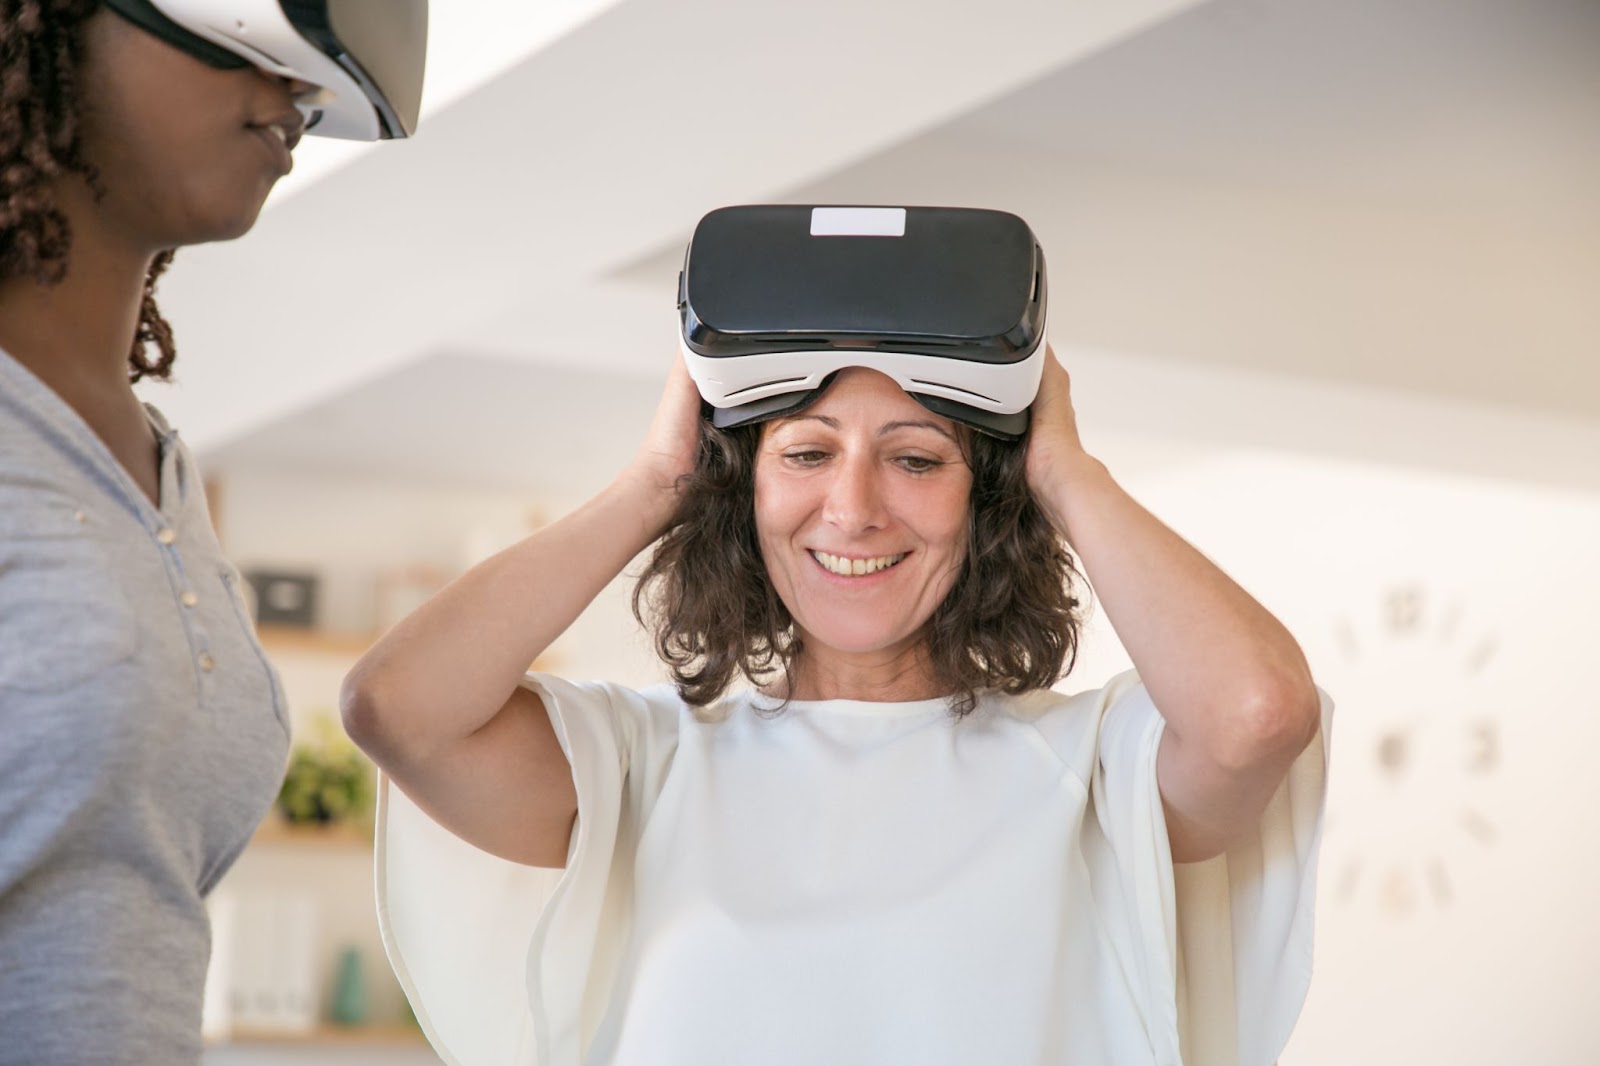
863, 398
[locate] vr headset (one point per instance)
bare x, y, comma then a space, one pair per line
365, 57
949, 302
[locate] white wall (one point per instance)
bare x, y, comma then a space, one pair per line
1456, 918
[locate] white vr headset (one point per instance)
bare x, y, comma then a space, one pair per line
949, 302
366, 57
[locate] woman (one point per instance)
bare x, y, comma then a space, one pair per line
901, 846
142, 734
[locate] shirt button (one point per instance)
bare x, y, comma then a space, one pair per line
189, 599
207, 663
166, 536
79, 516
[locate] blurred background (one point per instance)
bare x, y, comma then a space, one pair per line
1326, 274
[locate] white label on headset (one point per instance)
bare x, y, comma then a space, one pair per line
858, 222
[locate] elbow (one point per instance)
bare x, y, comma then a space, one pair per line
361, 711
386, 727
1272, 726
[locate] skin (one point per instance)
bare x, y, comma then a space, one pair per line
864, 472
437, 701
184, 158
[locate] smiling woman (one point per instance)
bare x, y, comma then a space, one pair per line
119, 617
897, 843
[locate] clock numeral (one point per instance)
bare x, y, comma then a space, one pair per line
1394, 752
1397, 894
1481, 655
1439, 879
1403, 608
1348, 881
1478, 826
1485, 754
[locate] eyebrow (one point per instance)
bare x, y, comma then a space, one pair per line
883, 430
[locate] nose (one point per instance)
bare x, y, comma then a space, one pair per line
855, 502
294, 86
297, 90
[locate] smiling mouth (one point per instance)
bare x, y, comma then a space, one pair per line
838, 564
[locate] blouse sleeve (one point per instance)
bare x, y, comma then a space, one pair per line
510, 964
1222, 948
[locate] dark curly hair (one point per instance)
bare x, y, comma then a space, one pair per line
41, 51
1011, 621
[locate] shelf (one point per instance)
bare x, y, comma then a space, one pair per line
347, 1036
277, 639
341, 837
280, 640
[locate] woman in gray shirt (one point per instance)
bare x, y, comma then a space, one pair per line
142, 733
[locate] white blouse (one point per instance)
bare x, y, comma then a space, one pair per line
849, 882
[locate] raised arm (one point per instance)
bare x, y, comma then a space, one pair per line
437, 701
1228, 678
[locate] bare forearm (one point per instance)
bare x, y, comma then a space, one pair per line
444, 671
1221, 668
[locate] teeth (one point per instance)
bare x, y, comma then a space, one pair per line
282, 136
838, 564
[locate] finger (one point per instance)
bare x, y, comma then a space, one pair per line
1052, 378
680, 369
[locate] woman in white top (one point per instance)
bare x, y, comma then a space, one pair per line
899, 846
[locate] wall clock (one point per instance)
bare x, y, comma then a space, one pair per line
1417, 748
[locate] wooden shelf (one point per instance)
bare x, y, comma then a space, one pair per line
347, 1036
279, 639
339, 836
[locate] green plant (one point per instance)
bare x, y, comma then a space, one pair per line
328, 779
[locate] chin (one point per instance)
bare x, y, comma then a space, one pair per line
233, 226
853, 638
224, 218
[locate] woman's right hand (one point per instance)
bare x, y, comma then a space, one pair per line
670, 447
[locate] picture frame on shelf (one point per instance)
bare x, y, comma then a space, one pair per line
285, 598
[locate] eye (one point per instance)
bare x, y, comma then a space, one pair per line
918, 464
804, 457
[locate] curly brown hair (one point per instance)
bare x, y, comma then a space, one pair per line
1011, 622
41, 51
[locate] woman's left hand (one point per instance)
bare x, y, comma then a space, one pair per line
1055, 451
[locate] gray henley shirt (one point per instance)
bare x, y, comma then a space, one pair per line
143, 735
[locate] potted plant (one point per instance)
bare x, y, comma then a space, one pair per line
329, 781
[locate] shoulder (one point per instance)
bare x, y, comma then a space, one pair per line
37, 426
1054, 709
1072, 723
30, 448
628, 714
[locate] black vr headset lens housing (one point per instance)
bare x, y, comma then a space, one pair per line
950, 302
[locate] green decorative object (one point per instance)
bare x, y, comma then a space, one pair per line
349, 990
328, 780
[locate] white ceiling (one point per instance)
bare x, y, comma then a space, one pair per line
467, 421
1465, 105
1377, 209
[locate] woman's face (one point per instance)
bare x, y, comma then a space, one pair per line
186, 152
861, 507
